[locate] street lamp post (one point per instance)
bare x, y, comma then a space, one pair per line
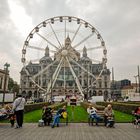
139, 79
6, 65
86, 94
136, 83
51, 82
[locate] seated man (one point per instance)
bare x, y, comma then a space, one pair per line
47, 116
93, 114
109, 116
58, 116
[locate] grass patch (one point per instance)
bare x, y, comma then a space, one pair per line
32, 117
76, 114
122, 117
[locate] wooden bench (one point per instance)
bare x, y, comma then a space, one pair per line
101, 114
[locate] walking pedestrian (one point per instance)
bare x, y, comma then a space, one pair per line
18, 108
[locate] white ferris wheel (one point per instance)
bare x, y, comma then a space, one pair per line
66, 37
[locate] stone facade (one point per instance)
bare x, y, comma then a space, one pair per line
101, 87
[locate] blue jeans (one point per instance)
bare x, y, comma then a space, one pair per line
96, 117
56, 120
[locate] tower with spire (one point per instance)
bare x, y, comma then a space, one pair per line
47, 52
84, 52
67, 41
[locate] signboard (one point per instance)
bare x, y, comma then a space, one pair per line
134, 96
95, 99
9, 97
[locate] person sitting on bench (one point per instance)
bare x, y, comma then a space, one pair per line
137, 115
47, 116
58, 115
109, 116
93, 114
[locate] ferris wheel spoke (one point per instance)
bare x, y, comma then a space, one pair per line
47, 41
37, 85
55, 35
28, 74
64, 76
43, 70
65, 31
82, 41
54, 77
97, 78
75, 78
37, 48
94, 48
76, 33
83, 68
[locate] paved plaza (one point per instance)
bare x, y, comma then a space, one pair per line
74, 131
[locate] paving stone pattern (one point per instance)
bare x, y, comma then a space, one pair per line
74, 131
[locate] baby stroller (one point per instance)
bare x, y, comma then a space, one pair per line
47, 116
110, 122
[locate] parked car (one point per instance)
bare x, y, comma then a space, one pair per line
30, 101
38, 100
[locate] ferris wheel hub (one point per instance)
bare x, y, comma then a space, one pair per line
64, 52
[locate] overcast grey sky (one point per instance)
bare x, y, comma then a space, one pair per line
118, 21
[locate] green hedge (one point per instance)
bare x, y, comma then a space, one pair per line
123, 107
58, 105
131, 102
86, 105
32, 107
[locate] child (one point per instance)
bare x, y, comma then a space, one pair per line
12, 118
10, 114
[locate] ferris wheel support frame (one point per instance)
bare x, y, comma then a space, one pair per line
60, 49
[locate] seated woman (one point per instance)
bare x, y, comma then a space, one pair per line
58, 116
93, 114
11, 115
6, 113
3, 113
109, 116
137, 114
47, 116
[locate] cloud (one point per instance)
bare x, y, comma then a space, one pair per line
117, 21
9, 42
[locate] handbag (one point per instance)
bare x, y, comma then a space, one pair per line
64, 115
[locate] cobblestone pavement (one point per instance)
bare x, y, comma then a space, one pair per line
74, 131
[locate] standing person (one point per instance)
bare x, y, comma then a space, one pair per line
18, 108
108, 114
58, 115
